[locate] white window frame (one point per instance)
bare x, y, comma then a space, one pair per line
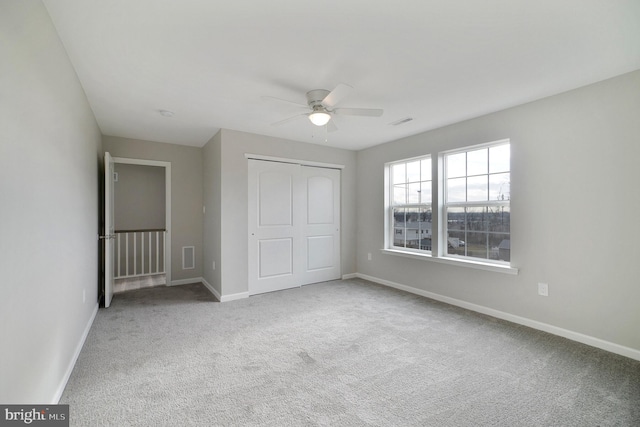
488, 203
439, 220
390, 205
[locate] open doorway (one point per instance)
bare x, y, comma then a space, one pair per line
142, 217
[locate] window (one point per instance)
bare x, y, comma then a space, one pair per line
410, 204
472, 200
476, 205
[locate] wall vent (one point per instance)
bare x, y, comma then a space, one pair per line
401, 121
188, 257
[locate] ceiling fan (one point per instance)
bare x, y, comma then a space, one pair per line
322, 104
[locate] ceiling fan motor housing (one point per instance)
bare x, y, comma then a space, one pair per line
315, 97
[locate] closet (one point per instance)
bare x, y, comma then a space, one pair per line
294, 225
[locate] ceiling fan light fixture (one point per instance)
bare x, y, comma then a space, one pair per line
319, 118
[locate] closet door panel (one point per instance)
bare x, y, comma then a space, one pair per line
321, 224
274, 236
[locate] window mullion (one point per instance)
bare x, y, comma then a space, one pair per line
438, 189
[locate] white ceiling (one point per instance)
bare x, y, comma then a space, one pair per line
436, 61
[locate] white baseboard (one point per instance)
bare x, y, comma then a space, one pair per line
221, 298
349, 276
186, 281
74, 358
545, 327
211, 288
233, 297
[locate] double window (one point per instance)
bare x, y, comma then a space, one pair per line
472, 188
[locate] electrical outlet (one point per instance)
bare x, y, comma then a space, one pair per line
543, 289
369, 256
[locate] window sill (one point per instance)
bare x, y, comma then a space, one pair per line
454, 261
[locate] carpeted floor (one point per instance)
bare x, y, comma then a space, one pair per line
343, 353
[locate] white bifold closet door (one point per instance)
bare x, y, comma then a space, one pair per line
294, 225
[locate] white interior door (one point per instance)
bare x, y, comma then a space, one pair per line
274, 234
321, 225
294, 232
109, 228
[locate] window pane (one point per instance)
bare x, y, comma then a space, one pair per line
398, 237
456, 165
477, 162
424, 227
398, 173
500, 245
398, 217
500, 158
477, 188
413, 171
425, 217
425, 192
399, 194
456, 243
414, 193
425, 174
412, 228
479, 232
456, 190
456, 224
477, 219
412, 215
398, 226
476, 245
499, 219
456, 219
500, 186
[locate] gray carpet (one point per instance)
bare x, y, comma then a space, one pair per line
343, 353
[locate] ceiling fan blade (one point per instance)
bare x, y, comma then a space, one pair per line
369, 112
289, 119
336, 95
284, 102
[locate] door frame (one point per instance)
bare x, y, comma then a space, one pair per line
108, 229
294, 161
167, 200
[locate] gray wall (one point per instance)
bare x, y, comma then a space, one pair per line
574, 212
186, 193
139, 197
50, 157
234, 198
